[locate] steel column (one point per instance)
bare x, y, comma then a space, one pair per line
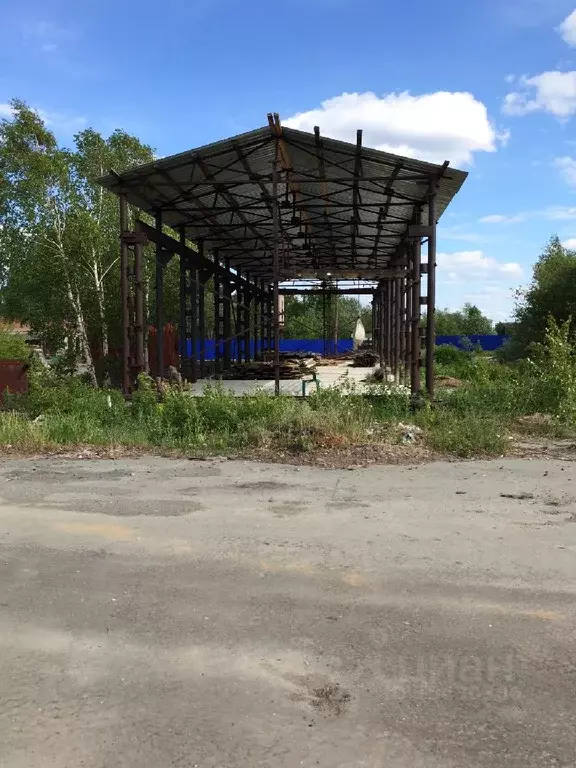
202, 320
408, 322
193, 278
415, 332
226, 317
125, 297
276, 271
217, 315
139, 324
159, 302
182, 305
247, 320
256, 319
381, 326
431, 291
403, 326
397, 321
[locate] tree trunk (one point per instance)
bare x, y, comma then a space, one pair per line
82, 334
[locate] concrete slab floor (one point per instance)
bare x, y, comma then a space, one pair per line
214, 614
327, 375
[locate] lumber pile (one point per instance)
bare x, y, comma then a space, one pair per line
364, 359
290, 368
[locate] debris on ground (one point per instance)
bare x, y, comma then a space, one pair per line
380, 375
449, 382
364, 359
520, 496
409, 433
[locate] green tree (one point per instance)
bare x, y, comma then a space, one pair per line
303, 316
464, 322
59, 233
551, 294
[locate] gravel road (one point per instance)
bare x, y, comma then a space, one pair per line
217, 614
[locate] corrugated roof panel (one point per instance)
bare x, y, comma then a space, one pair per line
341, 207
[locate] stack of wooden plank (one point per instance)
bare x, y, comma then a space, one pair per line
289, 369
364, 359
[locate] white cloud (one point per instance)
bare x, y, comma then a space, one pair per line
64, 124
553, 92
552, 213
570, 243
434, 126
498, 218
458, 232
567, 30
567, 167
47, 36
473, 276
475, 264
559, 212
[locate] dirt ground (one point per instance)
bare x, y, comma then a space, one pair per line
216, 614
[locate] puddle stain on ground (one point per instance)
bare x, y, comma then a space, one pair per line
288, 508
107, 530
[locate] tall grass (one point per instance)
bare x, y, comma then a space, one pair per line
475, 419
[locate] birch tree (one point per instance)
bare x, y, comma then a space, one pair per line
59, 246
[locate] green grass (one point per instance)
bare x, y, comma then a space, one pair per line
476, 419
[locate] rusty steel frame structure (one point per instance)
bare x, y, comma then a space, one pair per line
251, 213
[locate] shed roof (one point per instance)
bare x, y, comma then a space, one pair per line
344, 209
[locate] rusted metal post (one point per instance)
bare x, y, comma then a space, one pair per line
182, 307
202, 320
403, 325
125, 297
256, 318
262, 318
431, 290
381, 331
389, 319
397, 288
217, 307
226, 315
139, 309
374, 325
159, 302
408, 347
276, 273
193, 315
415, 332
324, 323
247, 319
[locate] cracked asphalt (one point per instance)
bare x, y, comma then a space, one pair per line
215, 614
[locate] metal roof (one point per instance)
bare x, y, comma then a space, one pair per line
344, 209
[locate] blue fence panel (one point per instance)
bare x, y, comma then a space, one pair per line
312, 346
488, 343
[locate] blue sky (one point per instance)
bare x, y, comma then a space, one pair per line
488, 84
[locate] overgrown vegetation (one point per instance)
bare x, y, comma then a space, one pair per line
494, 402
12, 345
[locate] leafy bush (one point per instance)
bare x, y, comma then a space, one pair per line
12, 346
554, 368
